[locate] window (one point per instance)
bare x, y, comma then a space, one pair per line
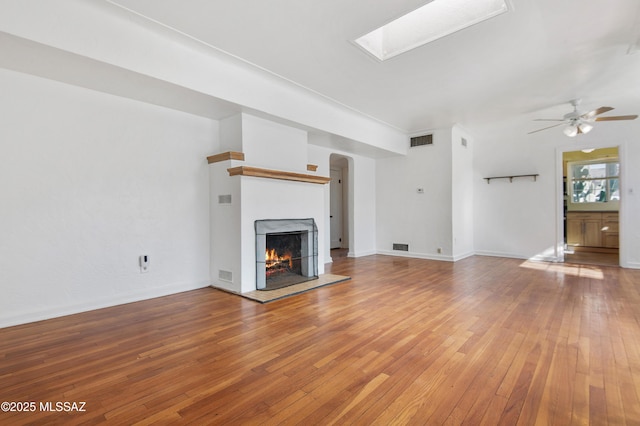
434, 20
594, 182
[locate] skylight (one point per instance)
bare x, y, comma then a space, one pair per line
430, 22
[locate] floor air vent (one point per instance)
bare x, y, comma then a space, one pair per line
401, 247
422, 140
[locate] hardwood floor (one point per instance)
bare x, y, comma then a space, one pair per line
405, 341
589, 258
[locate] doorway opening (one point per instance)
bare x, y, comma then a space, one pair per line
339, 206
591, 206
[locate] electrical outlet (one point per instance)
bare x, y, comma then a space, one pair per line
439, 250
144, 263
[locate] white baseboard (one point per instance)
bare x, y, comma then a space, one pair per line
463, 256
60, 311
500, 254
416, 255
632, 265
361, 253
536, 258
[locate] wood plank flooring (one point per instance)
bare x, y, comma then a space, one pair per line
483, 341
590, 258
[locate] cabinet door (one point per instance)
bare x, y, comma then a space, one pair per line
610, 230
592, 233
610, 239
610, 223
574, 232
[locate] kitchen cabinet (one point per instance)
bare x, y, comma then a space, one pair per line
592, 229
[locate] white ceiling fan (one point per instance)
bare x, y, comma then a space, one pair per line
577, 122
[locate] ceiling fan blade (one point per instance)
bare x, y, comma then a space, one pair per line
549, 119
545, 128
617, 118
595, 112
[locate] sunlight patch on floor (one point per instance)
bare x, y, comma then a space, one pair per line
582, 271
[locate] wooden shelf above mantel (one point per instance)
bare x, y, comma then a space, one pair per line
231, 155
277, 174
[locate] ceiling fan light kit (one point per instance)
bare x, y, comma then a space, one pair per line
571, 131
582, 122
585, 127
576, 128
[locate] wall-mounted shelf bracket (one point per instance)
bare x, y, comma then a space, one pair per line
534, 176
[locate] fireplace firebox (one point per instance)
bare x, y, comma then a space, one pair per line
286, 252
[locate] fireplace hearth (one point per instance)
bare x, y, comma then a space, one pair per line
286, 252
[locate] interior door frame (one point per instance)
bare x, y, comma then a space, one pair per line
337, 215
622, 157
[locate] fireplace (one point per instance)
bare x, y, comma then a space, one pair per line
286, 252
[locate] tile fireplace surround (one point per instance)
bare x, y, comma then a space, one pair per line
286, 252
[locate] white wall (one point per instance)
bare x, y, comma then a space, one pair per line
362, 194
231, 133
462, 193
421, 220
88, 183
107, 33
522, 219
272, 145
362, 185
630, 205
515, 219
226, 225
320, 157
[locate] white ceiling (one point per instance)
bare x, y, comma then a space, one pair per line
532, 60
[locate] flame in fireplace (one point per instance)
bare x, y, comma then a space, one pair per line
273, 260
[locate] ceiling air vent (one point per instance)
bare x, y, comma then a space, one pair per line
422, 140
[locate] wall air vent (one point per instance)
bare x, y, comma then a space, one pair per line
225, 275
401, 247
422, 140
224, 199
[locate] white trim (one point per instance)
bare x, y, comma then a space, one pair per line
559, 222
463, 256
416, 255
77, 308
360, 253
622, 158
534, 258
632, 265
501, 254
